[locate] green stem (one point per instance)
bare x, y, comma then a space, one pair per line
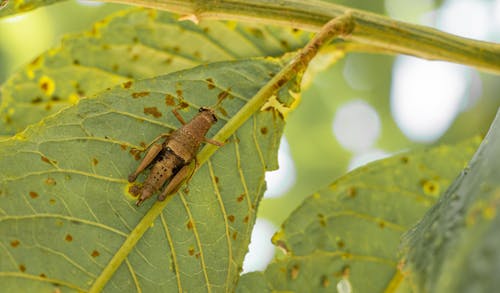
377, 31
342, 25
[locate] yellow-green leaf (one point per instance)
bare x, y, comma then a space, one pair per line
131, 44
348, 234
65, 207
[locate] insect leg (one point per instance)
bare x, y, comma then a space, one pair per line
150, 156
175, 183
179, 117
163, 135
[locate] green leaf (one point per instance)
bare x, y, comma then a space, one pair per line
454, 248
65, 209
349, 232
131, 44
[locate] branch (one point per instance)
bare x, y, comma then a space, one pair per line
378, 32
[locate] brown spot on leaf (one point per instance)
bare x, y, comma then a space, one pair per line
76, 62
281, 82
241, 197
325, 283
245, 219
179, 94
263, 130
52, 201
223, 95
285, 44
50, 181
152, 111
294, 272
33, 194
235, 235
216, 179
189, 225
322, 220
223, 112
183, 105
405, 160
381, 224
430, 187
123, 147
231, 218
191, 251
351, 192
95, 253
169, 100
37, 100
95, 161
210, 83
68, 238
22, 268
340, 243
136, 153
15, 243
43, 276
45, 159
127, 84
140, 94
197, 255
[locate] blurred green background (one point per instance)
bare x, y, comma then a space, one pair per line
355, 111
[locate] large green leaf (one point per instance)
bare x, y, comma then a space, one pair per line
131, 44
455, 248
351, 230
65, 209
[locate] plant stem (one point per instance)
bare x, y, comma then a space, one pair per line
342, 25
377, 31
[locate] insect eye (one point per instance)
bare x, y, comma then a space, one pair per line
201, 109
214, 117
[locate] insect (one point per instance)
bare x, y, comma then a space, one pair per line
170, 160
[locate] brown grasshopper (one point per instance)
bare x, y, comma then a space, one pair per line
171, 159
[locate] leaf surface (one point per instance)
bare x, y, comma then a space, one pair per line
131, 44
454, 248
350, 231
65, 207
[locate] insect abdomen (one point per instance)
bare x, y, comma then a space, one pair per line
168, 164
